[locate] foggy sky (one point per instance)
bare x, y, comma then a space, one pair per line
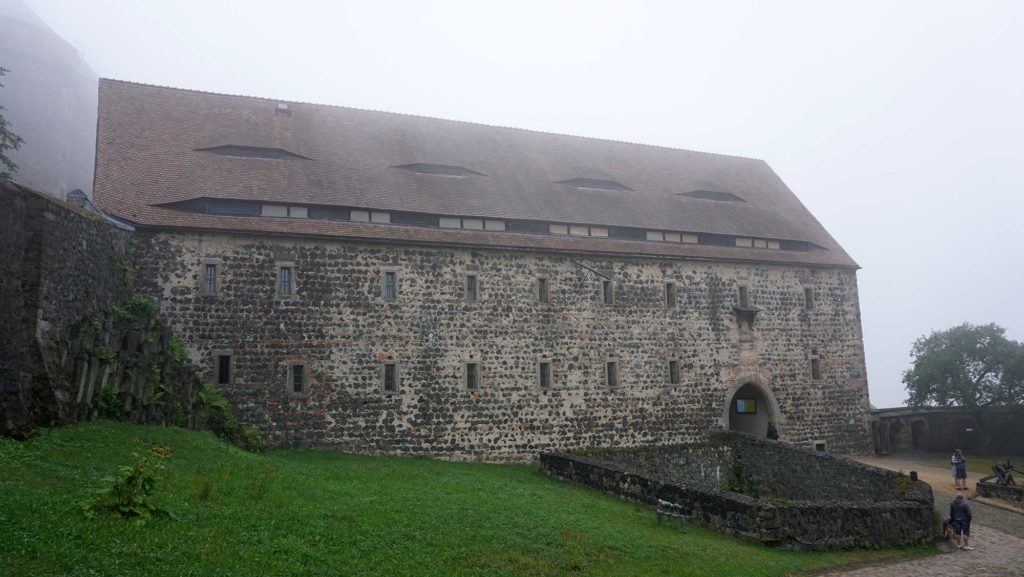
898, 124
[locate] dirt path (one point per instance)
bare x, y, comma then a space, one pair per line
997, 534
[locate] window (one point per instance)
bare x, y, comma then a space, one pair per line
297, 379
285, 281
611, 372
746, 406
389, 290
543, 291
472, 288
389, 376
670, 295
275, 210
223, 368
809, 298
544, 373
210, 279
472, 375
820, 446
673, 372
608, 292
369, 216
744, 296
815, 365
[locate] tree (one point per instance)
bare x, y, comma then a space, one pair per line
8, 141
966, 366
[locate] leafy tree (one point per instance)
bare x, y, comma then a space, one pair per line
966, 366
8, 141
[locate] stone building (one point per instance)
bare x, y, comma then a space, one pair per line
388, 283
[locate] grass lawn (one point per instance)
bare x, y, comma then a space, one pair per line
980, 464
320, 513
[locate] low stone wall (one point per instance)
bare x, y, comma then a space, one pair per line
978, 431
882, 518
708, 465
1012, 493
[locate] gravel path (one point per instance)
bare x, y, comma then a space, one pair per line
997, 535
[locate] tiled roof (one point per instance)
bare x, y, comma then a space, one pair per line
147, 155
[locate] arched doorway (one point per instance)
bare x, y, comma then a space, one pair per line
750, 407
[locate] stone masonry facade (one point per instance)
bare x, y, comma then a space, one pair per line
339, 325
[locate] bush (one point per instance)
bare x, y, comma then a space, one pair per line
132, 488
216, 415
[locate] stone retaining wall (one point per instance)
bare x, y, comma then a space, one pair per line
1012, 493
75, 342
882, 518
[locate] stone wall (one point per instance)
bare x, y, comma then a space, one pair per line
71, 327
886, 520
978, 431
341, 327
1012, 493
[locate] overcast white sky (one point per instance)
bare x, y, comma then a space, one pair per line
899, 124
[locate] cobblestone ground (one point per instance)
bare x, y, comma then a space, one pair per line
997, 535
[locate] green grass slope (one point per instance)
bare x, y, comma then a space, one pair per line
320, 513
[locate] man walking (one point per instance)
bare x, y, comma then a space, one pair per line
960, 514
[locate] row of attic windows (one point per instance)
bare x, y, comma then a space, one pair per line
243, 208
390, 287
297, 382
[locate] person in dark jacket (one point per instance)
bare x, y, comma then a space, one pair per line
773, 433
960, 513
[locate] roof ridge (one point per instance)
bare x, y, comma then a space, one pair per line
437, 118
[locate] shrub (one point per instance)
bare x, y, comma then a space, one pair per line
132, 487
216, 415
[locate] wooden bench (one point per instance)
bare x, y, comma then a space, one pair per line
668, 509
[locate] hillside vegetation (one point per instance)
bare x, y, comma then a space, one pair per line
321, 513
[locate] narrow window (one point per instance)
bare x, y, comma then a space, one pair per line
298, 379
608, 292
471, 288
673, 371
210, 280
611, 373
670, 295
544, 374
543, 294
285, 288
472, 376
390, 378
809, 298
744, 296
815, 368
223, 369
390, 291
820, 446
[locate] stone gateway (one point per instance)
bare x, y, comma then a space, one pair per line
387, 283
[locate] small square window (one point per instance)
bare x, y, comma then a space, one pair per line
359, 216
449, 222
670, 295
223, 369
472, 288
673, 372
543, 290
809, 298
820, 446
389, 377
472, 376
275, 210
655, 235
577, 230
608, 292
558, 229
298, 212
672, 237
297, 379
210, 279
473, 223
744, 296
389, 290
611, 373
544, 374
380, 217
495, 225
